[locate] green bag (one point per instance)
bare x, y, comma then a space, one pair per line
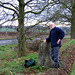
30, 62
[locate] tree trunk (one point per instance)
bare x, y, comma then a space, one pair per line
44, 58
21, 37
73, 21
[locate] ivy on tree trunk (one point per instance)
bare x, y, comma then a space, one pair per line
21, 37
73, 21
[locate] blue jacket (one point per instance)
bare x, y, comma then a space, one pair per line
55, 34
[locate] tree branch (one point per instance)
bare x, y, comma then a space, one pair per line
37, 12
27, 2
66, 5
32, 26
10, 4
4, 22
2, 5
59, 2
64, 16
9, 20
29, 28
61, 16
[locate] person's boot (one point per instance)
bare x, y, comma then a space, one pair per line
54, 66
57, 66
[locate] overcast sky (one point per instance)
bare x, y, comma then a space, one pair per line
27, 21
15, 2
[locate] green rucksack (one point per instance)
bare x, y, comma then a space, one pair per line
30, 62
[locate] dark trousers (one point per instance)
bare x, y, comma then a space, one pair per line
55, 55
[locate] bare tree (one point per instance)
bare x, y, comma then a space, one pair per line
12, 10
27, 11
65, 12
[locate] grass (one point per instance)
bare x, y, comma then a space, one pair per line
70, 43
73, 69
10, 62
7, 38
68, 47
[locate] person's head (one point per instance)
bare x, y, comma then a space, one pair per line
51, 25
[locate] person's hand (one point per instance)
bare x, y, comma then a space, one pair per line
44, 41
58, 41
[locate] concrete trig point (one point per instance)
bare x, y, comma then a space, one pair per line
44, 58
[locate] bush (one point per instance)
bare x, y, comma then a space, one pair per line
33, 45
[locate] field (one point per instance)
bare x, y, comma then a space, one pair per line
7, 29
10, 64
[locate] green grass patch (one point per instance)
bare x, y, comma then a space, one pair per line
73, 69
10, 62
70, 43
7, 38
7, 52
67, 47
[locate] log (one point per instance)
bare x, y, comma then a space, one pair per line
44, 58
